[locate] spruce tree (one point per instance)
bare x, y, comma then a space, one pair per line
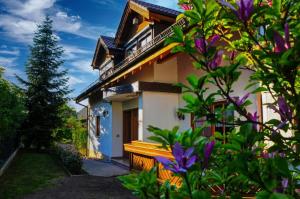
46, 87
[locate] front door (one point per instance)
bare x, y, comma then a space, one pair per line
130, 127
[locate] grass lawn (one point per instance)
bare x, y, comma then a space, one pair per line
30, 171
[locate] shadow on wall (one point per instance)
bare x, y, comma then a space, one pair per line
93, 140
98, 146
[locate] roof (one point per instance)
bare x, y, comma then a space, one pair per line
158, 9
109, 42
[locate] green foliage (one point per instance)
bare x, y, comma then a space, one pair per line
46, 87
12, 114
254, 156
144, 185
72, 131
70, 158
28, 173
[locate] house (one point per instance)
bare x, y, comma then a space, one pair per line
135, 89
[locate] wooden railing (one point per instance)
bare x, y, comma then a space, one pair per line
158, 40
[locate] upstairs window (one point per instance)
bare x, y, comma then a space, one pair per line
145, 40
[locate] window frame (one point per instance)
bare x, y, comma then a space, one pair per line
98, 123
213, 126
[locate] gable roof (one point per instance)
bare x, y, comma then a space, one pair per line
158, 9
105, 46
145, 9
109, 42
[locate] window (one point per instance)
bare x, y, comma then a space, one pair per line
145, 40
98, 126
131, 49
222, 126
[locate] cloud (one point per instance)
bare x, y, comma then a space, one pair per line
72, 52
7, 61
18, 29
83, 66
9, 64
20, 18
14, 52
74, 80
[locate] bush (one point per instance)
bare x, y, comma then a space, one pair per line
12, 114
70, 157
72, 130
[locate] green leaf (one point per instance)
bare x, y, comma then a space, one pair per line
263, 195
259, 89
193, 80
276, 7
279, 196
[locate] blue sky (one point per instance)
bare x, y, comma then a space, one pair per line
77, 23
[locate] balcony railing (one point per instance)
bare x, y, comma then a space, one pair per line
144, 49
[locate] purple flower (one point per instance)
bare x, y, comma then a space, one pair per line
284, 183
208, 149
183, 159
241, 101
284, 111
232, 55
254, 118
216, 61
244, 11
282, 44
203, 46
214, 39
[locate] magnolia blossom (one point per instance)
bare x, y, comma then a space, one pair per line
241, 101
284, 183
254, 118
183, 159
208, 149
203, 46
282, 44
283, 110
216, 60
244, 11
186, 6
232, 55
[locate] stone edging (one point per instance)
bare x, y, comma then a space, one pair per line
8, 161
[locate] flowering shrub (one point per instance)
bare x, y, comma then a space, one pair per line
69, 157
258, 157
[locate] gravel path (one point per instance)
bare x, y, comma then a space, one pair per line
84, 187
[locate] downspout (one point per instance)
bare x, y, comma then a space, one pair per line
87, 125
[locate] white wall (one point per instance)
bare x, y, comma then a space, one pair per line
157, 109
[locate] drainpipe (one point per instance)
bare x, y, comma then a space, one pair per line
87, 125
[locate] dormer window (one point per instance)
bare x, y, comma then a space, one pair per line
135, 21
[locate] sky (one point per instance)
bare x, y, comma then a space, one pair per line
77, 25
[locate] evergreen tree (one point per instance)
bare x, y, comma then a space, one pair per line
46, 87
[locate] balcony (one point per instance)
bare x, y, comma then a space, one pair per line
107, 72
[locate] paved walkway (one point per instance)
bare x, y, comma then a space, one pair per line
84, 187
103, 169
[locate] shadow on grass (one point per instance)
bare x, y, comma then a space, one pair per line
29, 172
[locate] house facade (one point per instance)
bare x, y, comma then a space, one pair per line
137, 74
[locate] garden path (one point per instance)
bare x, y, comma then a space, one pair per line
103, 169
